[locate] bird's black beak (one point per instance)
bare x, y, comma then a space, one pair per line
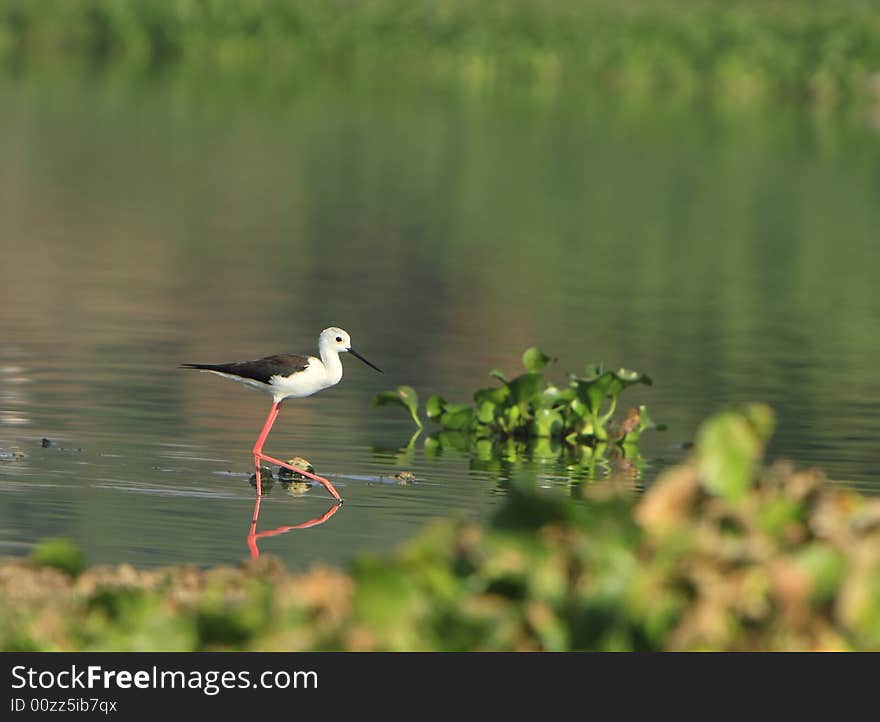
357, 355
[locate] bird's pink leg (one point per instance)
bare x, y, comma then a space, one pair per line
320, 479
261, 439
258, 455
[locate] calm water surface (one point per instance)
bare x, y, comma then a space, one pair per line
166, 221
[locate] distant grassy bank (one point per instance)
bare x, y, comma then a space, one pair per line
824, 53
720, 553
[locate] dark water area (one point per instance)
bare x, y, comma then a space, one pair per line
143, 225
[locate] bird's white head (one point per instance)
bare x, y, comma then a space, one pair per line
335, 338
338, 341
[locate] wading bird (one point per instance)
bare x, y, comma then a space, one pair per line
289, 376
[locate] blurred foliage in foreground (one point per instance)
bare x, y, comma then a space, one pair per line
721, 553
825, 52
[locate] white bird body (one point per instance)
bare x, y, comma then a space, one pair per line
286, 376
315, 376
291, 376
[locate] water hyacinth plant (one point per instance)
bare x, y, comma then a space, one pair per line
404, 396
526, 406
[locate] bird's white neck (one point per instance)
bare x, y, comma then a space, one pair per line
332, 362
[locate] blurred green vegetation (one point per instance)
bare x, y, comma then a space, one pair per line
722, 552
61, 554
826, 53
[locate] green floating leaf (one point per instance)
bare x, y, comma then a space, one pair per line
729, 447
498, 374
547, 423
593, 391
404, 396
628, 378
512, 417
647, 422
457, 417
435, 406
596, 387
525, 387
592, 372
534, 359
486, 412
622, 378
485, 431
552, 396
578, 408
493, 394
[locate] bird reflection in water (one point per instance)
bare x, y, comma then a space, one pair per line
254, 535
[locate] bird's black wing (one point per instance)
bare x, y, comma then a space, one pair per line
261, 369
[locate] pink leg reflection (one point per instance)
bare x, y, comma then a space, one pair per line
253, 535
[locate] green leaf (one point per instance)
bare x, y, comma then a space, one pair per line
592, 391
534, 359
457, 417
485, 430
552, 396
578, 408
498, 374
592, 372
594, 428
729, 446
486, 412
629, 377
547, 422
595, 388
494, 394
512, 417
525, 387
647, 422
404, 396
625, 377
435, 406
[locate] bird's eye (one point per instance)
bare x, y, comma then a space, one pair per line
339, 339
